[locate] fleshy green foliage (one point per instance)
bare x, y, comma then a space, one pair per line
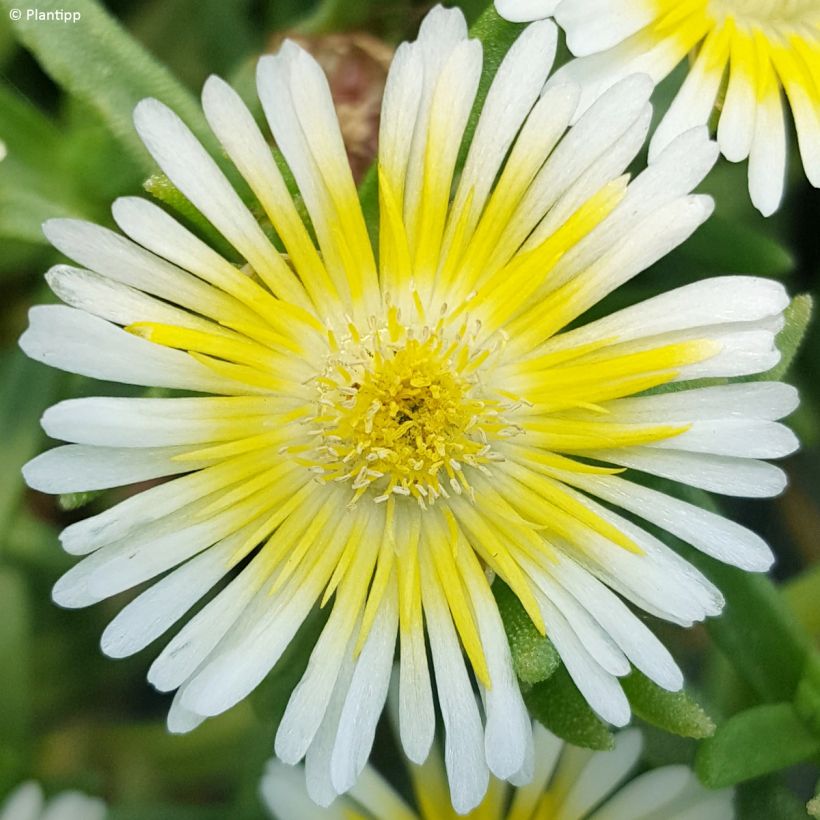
676, 712
807, 697
767, 799
100, 64
755, 742
790, 339
76, 501
557, 703
534, 656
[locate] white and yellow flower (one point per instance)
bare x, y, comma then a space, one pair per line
757, 48
567, 783
389, 435
27, 802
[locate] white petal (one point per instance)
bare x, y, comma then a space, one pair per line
115, 257
609, 166
76, 467
366, 696
118, 303
737, 119
636, 250
464, 738
595, 133
548, 749
710, 533
194, 642
283, 790
524, 11
645, 795
743, 438
75, 341
603, 773
676, 172
516, 87
764, 400
400, 105
592, 634
310, 698
74, 806
637, 641
508, 730
658, 579
600, 689
376, 795
807, 123
417, 719
318, 758
125, 422
718, 474
158, 547
596, 25
192, 170
161, 605
713, 301
767, 159
24, 803
235, 670
695, 100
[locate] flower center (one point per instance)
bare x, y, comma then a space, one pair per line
402, 410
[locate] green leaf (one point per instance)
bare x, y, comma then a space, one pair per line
76, 501
798, 316
766, 799
729, 246
807, 698
802, 594
755, 742
675, 712
559, 705
96, 60
534, 656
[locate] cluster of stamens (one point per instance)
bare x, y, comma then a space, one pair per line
402, 411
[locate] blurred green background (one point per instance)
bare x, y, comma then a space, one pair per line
72, 718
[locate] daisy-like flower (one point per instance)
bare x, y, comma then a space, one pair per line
568, 784
385, 438
27, 802
759, 48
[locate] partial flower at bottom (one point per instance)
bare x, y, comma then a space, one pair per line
568, 783
384, 438
743, 55
27, 802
